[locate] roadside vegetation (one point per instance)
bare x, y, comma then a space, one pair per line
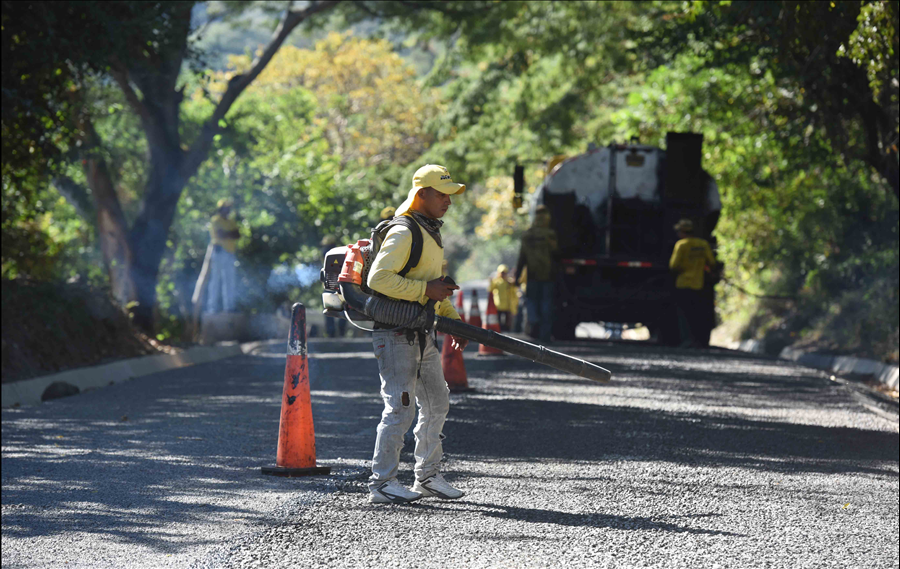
117, 147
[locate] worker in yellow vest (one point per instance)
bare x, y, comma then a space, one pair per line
224, 233
689, 262
506, 299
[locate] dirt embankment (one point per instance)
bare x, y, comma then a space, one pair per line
52, 327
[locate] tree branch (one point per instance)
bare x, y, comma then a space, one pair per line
120, 74
198, 34
200, 148
77, 195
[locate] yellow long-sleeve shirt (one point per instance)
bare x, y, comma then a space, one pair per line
505, 297
689, 258
225, 225
391, 258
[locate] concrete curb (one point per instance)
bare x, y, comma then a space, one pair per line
29, 391
752, 346
846, 366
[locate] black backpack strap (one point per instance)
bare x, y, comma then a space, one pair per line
415, 251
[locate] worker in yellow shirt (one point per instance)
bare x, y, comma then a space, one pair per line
506, 299
409, 362
224, 233
689, 262
539, 245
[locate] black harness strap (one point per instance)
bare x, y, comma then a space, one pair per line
415, 251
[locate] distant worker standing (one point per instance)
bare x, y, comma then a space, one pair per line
224, 234
505, 298
539, 243
690, 258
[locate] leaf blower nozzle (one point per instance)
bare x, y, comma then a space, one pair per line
345, 274
413, 315
517, 347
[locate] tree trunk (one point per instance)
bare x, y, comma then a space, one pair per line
149, 234
112, 230
133, 258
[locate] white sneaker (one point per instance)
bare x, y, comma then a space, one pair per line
435, 485
392, 492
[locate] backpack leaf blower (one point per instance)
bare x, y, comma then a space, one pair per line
344, 276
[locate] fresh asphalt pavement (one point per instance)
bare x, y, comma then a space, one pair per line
708, 458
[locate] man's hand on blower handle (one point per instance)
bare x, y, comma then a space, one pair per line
439, 290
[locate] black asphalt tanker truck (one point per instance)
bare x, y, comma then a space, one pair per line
613, 209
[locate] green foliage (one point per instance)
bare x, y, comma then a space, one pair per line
49, 49
274, 164
43, 237
788, 199
518, 92
804, 163
277, 157
873, 44
797, 103
801, 149
804, 48
301, 163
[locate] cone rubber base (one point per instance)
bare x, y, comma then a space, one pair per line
462, 389
291, 472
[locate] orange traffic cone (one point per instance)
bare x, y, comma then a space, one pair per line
474, 311
296, 436
459, 306
454, 367
491, 322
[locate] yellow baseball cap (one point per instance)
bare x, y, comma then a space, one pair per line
431, 175
684, 225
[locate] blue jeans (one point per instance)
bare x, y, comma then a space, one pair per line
222, 294
520, 316
539, 300
410, 376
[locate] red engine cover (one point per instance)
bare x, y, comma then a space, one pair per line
353, 264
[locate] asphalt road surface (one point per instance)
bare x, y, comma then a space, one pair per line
687, 459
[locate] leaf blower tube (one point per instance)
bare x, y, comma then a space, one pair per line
388, 311
413, 315
533, 352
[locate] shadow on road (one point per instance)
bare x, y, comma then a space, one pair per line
142, 461
594, 520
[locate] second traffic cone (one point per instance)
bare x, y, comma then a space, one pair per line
491, 322
459, 306
474, 311
454, 367
296, 437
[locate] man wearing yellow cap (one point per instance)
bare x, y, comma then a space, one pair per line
409, 362
505, 298
224, 235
